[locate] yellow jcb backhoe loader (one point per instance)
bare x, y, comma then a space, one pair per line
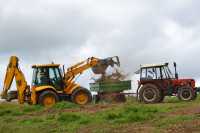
50, 83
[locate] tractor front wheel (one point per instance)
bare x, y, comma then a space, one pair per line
186, 93
81, 96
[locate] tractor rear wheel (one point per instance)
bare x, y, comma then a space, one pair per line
48, 98
149, 93
81, 96
186, 93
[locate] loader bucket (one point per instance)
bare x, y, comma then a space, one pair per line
103, 64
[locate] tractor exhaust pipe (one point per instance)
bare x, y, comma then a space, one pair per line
175, 67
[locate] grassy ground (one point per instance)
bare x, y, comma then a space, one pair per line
170, 116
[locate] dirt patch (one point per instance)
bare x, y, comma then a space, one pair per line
124, 128
134, 128
185, 127
91, 109
187, 111
192, 126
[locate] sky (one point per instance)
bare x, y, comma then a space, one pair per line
69, 31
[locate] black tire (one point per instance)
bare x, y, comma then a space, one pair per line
161, 98
149, 93
83, 91
186, 93
11, 96
96, 98
120, 98
113, 97
195, 96
45, 94
8, 99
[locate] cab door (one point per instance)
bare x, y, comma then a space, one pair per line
56, 78
166, 81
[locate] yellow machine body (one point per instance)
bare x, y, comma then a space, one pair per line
48, 91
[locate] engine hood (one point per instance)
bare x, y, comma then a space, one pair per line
183, 82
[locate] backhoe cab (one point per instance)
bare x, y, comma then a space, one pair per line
48, 75
157, 81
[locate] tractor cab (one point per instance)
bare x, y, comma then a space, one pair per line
157, 72
48, 75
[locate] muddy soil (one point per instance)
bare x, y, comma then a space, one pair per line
195, 110
192, 126
114, 77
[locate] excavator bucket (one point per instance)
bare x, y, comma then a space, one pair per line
103, 64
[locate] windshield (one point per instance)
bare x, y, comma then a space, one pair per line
168, 72
34, 76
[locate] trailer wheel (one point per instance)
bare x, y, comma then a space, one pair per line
186, 93
48, 98
149, 93
120, 98
81, 96
113, 97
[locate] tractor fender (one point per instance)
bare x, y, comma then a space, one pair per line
180, 86
137, 91
153, 83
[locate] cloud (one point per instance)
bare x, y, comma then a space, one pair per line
66, 32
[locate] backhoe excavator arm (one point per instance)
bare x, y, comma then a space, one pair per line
80, 67
13, 71
98, 66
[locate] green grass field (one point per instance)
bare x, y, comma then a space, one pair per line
170, 116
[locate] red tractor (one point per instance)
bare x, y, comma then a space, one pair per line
157, 81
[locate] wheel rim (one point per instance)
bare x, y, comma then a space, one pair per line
49, 101
186, 95
81, 98
149, 94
